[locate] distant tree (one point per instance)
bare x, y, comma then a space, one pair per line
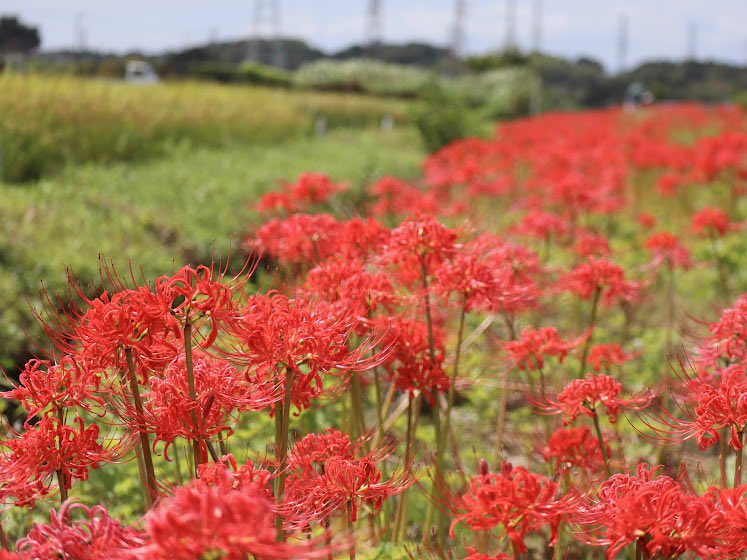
15, 37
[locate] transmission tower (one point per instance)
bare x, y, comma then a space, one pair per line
537, 26
266, 25
457, 31
510, 24
79, 34
622, 43
692, 41
374, 22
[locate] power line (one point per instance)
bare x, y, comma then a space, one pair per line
457, 31
266, 22
537, 26
622, 43
692, 41
510, 24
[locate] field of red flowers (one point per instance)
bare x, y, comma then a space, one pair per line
539, 351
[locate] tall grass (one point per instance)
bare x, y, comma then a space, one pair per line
49, 121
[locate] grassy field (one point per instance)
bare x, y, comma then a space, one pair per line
49, 121
162, 213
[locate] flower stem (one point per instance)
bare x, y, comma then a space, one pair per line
602, 447
723, 450
349, 516
738, 461
592, 324
282, 444
60, 475
147, 460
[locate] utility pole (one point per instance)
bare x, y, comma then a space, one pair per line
622, 43
510, 24
537, 26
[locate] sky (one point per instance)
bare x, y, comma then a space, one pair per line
717, 29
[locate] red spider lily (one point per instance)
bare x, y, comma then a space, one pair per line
581, 396
325, 476
474, 555
409, 362
201, 520
728, 341
361, 238
396, 197
602, 275
34, 456
44, 384
711, 221
218, 474
349, 281
667, 249
646, 220
516, 501
669, 183
590, 244
308, 190
542, 225
275, 334
602, 356
221, 391
418, 246
709, 408
528, 351
575, 447
96, 537
487, 274
655, 513
299, 239
733, 503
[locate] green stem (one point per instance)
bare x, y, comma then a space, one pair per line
351, 532
147, 460
723, 450
738, 461
602, 447
356, 406
60, 476
592, 324
196, 451
282, 445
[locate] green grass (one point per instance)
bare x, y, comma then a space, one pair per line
162, 213
47, 122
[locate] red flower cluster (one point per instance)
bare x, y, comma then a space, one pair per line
308, 190
603, 276
667, 249
711, 221
528, 351
575, 447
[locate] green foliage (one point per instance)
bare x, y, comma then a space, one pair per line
17, 37
440, 118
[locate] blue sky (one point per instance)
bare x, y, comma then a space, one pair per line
657, 28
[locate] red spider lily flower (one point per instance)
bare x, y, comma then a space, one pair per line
733, 503
667, 249
409, 361
516, 501
34, 456
590, 244
709, 408
528, 351
727, 343
474, 555
581, 396
349, 281
201, 520
218, 474
602, 356
44, 384
299, 239
542, 225
602, 275
396, 197
656, 514
575, 447
325, 476
646, 220
669, 183
711, 221
275, 334
95, 537
359, 238
418, 246
221, 394
308, 190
